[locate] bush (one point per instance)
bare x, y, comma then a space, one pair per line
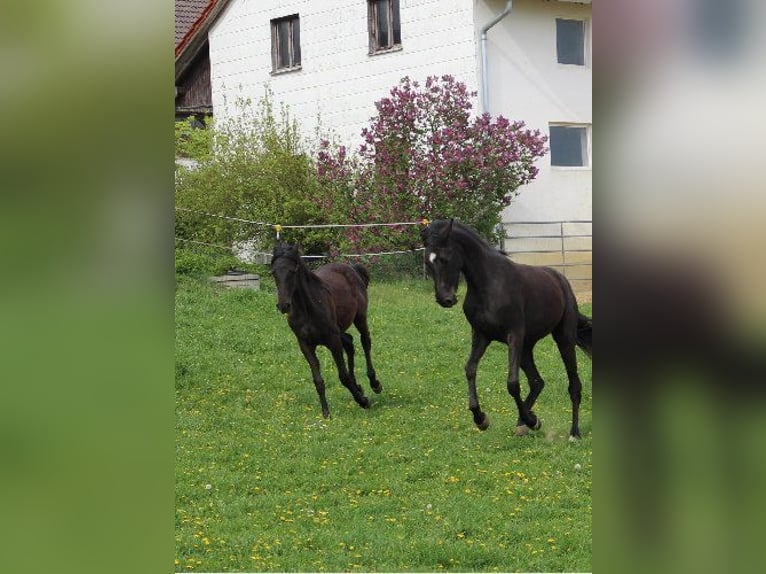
257, 170
423, 155
203, 262
193, 138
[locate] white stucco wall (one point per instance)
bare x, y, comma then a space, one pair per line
341, 82
527, 83
338, 79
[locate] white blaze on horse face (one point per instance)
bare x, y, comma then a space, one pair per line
432, 257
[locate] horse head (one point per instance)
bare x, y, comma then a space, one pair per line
444, 260
285, 263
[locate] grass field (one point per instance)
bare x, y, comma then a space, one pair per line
263, 483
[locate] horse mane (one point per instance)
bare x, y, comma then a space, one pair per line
468, 231
292, 252
288, 251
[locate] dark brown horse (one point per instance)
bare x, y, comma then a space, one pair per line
510, 303
320, 307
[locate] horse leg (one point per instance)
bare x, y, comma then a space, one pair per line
309, 351
479, 344
336, 348
566, 347
536, 384
348, 345
361, 325
515, 350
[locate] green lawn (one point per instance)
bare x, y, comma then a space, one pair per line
264, 483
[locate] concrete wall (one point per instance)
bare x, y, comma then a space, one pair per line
527, 83
339, 80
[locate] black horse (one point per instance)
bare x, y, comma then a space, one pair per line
510, 303
320, 307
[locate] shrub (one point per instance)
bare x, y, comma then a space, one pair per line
424, 155
203, 262
257, 170
193, 138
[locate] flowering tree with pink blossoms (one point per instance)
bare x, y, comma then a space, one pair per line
425, 155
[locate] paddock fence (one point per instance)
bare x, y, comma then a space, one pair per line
564, 245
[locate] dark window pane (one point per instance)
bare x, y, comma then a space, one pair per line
296, 41
568, 146
396, 23
721, 30
570, 41
283, 38
381, 10
274, 46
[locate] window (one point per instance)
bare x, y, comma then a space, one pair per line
569, 145
385, 28
286, 43
570, 41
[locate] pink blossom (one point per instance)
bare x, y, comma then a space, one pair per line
424, 153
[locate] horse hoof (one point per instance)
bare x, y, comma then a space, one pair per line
522, 430
574, 438
538, 424
364, 403
484, 424
377, 387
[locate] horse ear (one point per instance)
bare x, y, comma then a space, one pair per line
279, 250
297, 250
449, 228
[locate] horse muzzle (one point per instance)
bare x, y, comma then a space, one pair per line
446, 300
284, 307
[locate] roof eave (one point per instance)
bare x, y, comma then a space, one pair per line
196, 38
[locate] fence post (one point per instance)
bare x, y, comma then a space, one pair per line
563, 250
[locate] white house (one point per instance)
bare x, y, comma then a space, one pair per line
527, 59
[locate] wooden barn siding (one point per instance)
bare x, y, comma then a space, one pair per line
196, 82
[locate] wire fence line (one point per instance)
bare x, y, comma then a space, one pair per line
557, 237
278, 226
264, 255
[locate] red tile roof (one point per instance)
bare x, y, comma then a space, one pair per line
189, 14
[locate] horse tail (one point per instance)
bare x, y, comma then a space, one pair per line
362, 271
585, 334
584, 328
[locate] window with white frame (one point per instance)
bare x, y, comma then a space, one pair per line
384, 25
570, 41
286, 43
569, 145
